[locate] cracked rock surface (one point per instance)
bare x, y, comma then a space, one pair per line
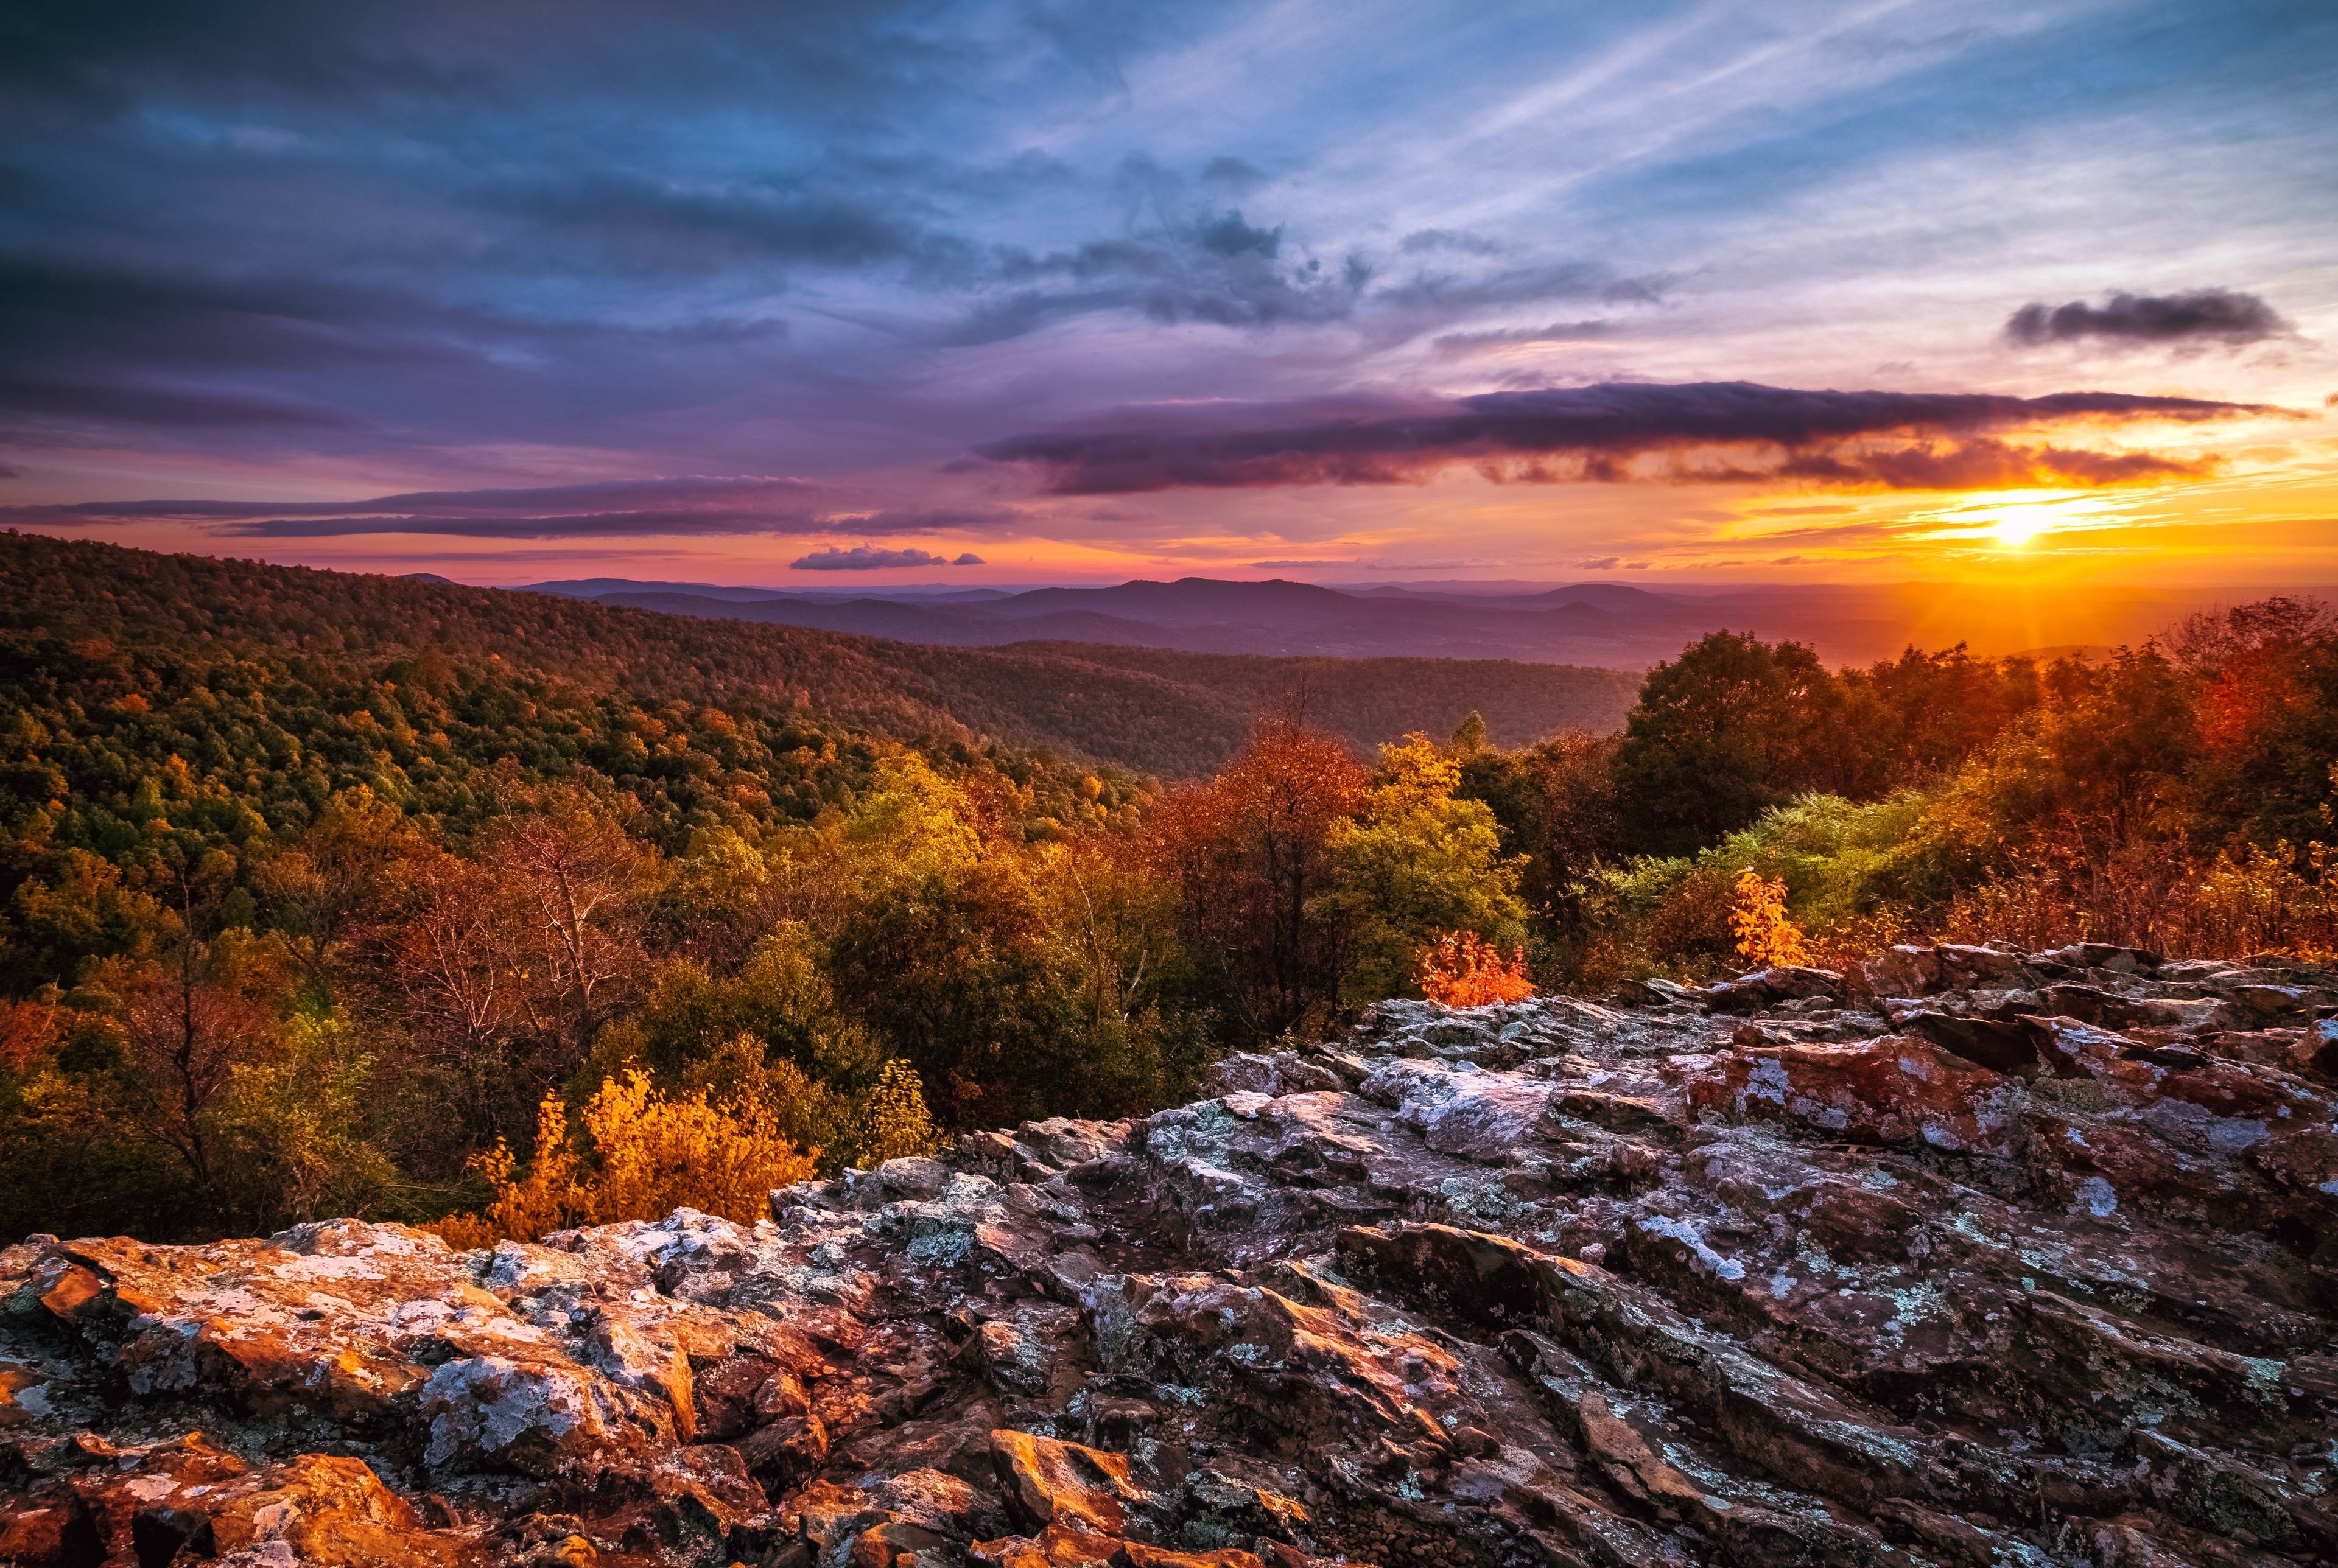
1963, 1256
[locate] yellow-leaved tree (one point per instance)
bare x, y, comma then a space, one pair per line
648, 1154
1416, 863
1766, 933
895, 1122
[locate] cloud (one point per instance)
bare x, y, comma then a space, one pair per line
2202, 315
1423, 241
1300, 565
1238, 175
709, 226
687, 505
862, 558
1711, 431
1206, 265
678, 506
1457, 343
188, 358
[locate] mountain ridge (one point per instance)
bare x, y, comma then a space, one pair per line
1156, 712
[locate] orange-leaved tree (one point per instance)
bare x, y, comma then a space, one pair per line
1249, 853
1461, 969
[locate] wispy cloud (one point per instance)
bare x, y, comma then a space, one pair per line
681, 505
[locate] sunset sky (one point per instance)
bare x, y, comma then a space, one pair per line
845, 294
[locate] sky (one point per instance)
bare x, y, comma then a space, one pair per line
871, 294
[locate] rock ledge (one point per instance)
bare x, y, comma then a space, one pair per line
1966, 1257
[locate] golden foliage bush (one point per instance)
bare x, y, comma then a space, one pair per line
896, 1123
1766, 933
649, 1154
1461, 969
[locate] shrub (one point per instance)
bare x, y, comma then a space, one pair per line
1765, 933
1461, 969
649, 1154
894, 1121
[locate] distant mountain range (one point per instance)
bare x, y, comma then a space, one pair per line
1594, 623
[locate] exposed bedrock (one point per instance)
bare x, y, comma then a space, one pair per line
1968, 1257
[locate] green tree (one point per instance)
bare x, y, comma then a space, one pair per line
1414, 862
1730, 728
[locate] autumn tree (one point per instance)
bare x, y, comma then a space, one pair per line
1249, 854
1414, 862
330, 888
576, 883
1555, 804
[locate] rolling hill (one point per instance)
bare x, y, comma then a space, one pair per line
1163, 712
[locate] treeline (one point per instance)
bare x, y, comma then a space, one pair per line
1171, 715
2177, 796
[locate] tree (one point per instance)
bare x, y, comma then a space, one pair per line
452, 967
896, 1124
1554, 805
1731, 728
1415, 862
577, 884
1248, 853
331, 887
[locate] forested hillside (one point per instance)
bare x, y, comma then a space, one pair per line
325, 894
1168, 714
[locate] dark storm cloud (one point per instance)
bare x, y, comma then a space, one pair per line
2201, 316
1596, 433
863, 558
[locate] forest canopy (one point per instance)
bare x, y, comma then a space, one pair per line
331, 896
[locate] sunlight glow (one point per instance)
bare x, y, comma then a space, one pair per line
2016, 527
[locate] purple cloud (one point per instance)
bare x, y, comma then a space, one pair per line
685, 505
2210, 315
862, 558
1728, 431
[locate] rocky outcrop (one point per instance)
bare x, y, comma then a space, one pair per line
1968, 1257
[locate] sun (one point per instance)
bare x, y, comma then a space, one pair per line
2016, 527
